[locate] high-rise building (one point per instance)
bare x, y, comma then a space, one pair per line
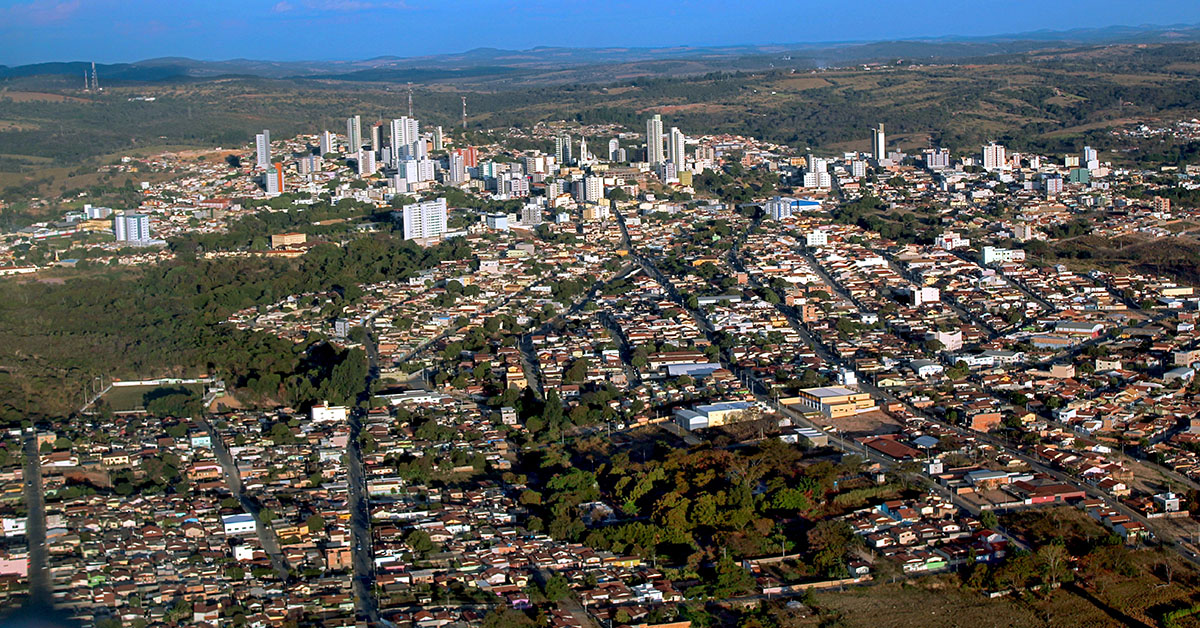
326, 143
425, 220
131, 227
353, 134
994, 157
531, 214
878, 144
405, 138
1090, 154
376, 136
591, 189
614, 145
858, 168
470, 156
262, 149
1054, 185
936, 158
439, 141
560, 150
273, 180
675, 148
654, 140
456, 173
366, 163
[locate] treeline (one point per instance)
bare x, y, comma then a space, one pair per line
166, 320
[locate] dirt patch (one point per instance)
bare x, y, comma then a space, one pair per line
40, 97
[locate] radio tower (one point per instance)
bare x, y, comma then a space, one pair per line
410, 99
87, 86
95, 81
464, 121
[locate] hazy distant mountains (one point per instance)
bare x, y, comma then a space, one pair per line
584, 64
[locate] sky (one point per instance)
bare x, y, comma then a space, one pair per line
111, 31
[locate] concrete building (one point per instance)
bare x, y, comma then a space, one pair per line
834, 401
425, 220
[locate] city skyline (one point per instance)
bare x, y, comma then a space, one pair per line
109, 32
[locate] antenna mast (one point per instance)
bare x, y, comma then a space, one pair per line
410, 99
464, 119
95, 81
87, 86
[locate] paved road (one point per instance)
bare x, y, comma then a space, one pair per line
360, 508
266, 534
40, 589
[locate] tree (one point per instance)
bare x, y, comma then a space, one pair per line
507, 618
1053, 558
989, 520
420, 542
315, 523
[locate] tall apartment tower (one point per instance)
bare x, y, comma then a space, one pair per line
353, 134
262, 149
878, 144
130, 227
425, 220
675, 147
994, 157
327, 143
654, 140
376, 136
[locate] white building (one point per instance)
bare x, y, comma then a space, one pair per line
262, 149
816, 237
324, 412
425, 220
654, 140
878, 144
353, 134
239, 524
130, 227
675, 148
994, 157
997, 255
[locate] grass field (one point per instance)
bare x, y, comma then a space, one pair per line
927, 605
126, 398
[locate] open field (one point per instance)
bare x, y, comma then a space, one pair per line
930, 605
125, 398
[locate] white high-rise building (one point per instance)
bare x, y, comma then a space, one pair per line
406, 139
439, 140
415, 170
262, 149
936, 158
592, 189
675, 148
1090, 154
614, 145
994, 157
654, 140
366, 163
131, 227
353, 134
561, 149
456, 173
326, 143
858, 168
531, 214
878, 144
425, 220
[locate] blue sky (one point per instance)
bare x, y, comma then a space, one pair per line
110, 31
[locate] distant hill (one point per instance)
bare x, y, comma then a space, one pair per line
588, 64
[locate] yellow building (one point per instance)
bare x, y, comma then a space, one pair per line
834, 401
